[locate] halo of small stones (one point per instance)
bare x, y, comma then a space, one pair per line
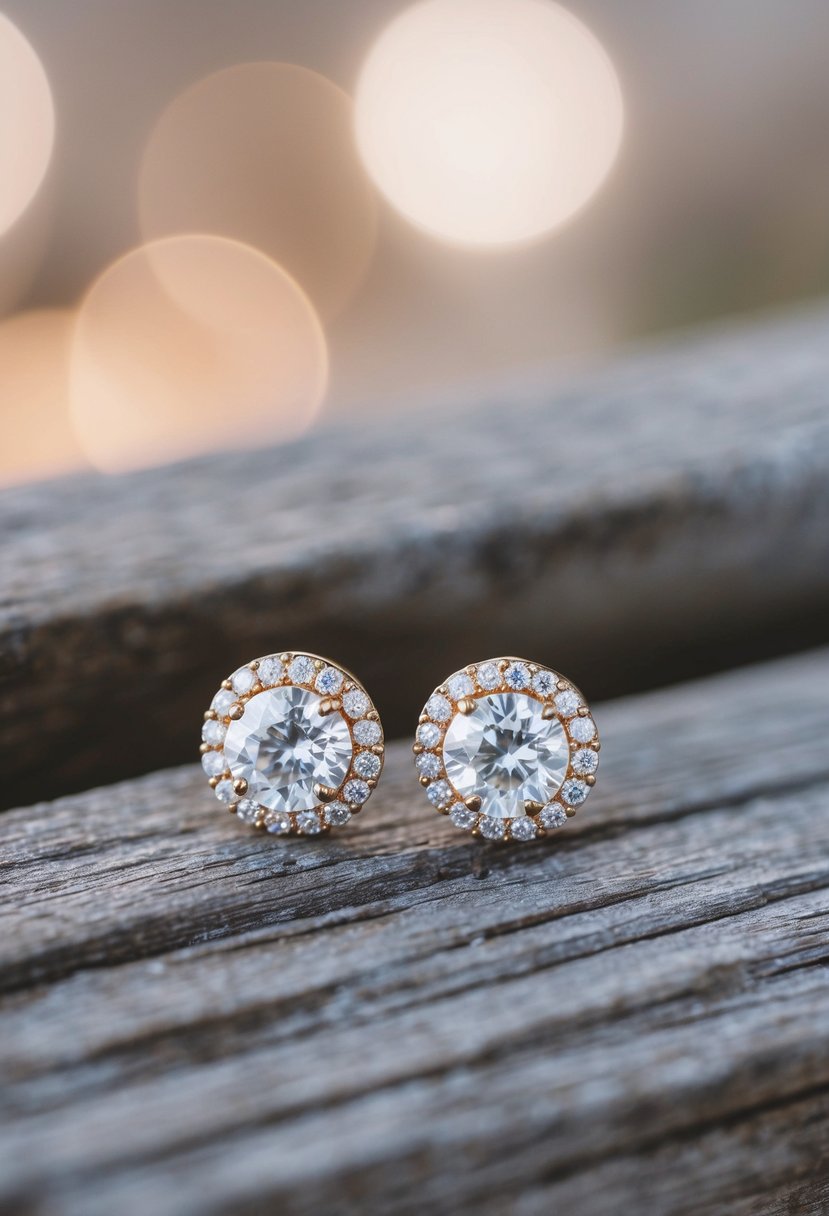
341, 693
560, 699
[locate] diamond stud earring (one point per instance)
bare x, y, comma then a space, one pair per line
507, 749
292, 743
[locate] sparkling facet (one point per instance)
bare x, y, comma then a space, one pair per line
585, 761
428, 764
438, 707
337, 814
308, 823
493, 829
582, 729
439, 793
301, 669
247, 810
488, 675
428, 734
367, 732
270, 671
567, 703
243, 680
213, 732
505, 753
517, 676
544, 682
225, 792
462, 817
329, 681
574, 792
553, 816
460, 685
282, 746
367, 765
356, 791
213, 763
278, 823
222, 701
356, 703
523, 829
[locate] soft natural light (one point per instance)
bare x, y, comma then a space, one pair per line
27, 123
488, 122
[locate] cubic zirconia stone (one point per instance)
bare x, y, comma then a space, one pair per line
213, 732
225, 792
356, 703
337, 814
553, 816
523, 829
517, 676
506, 753
493, 829
428, 734
270, 671
213, 763
247, 810
460, 685
243, 680
582, 729
567, 703
428, 764
440, 793
282, 746
367, 732
356, 791
329, 681
574, 792
222, 701
585, 761
544, 683
438, 707
462, 817
301, 669
488, 675
367, 765
278, 823
308, 823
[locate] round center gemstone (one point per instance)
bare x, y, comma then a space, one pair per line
282, 745
506, 753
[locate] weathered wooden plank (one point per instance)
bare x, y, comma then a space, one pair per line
400, 1020
664, 517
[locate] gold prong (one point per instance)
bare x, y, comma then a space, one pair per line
473, 802
329, 705
214, 781
583, 711
532, 808
240, 786
466, 705
424, 781
373, 715
423, 718
372, 783
236, 710
204, 747
324, 792
597, 747
417, 748
590, 779
210, 715
548, 712
378, 749
561, 685
254, 666
227, 684
231, 806
569, 811
319, 664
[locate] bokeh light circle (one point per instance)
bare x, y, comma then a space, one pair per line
263, 152
488, 122
27, 123
38, 439
190, 344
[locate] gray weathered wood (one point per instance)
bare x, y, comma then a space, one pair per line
633, 1016
666, 516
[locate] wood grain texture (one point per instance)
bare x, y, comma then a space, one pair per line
633, 1016
666, 516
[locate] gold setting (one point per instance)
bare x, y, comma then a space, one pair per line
329, 704
561, 804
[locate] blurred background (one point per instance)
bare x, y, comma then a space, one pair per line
225, 224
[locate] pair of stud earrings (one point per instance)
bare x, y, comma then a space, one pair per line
506, 748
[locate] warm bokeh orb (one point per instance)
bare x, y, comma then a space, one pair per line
191, 344
27, 123
264, 153
488, 122
38, 439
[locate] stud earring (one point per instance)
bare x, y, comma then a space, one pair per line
292, 743
507, 749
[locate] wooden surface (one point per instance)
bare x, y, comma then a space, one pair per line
666, 516
631, 1017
